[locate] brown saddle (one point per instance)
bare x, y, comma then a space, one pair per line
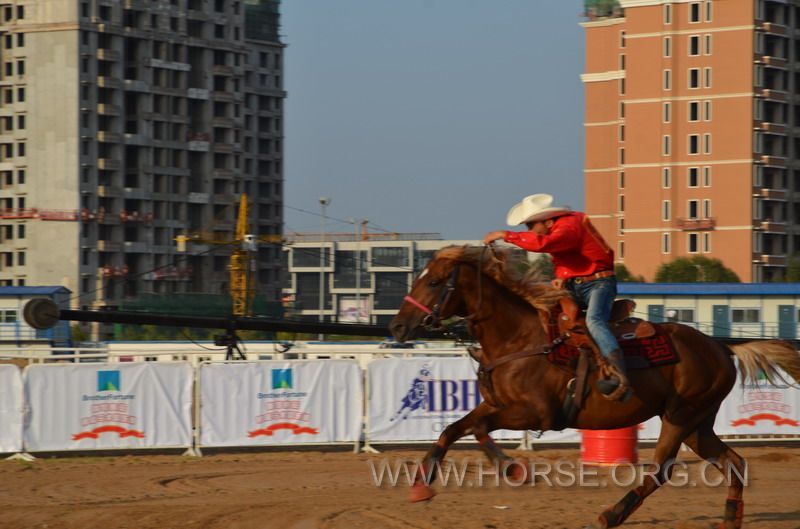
571, 322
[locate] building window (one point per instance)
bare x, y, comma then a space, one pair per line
694, 111
706, 143
665, 243
709, 10
694, 45
707, 44
707, 77
691, 243
622, 61
20, 231
20, 258
667, 80
621, 226
758, 142
707, 208
666, 178
694, 144
621, 203
694, 78
759, 76
707, 176
666, 210
667, 13
706, 243
680, 315
667, 112
622, 133
694, 12
665, 146
622, 39
667, 46
621, 109
746, 315
622, 87
692, 210
622, 156
693, 177
621, 180
707, 110
621, 250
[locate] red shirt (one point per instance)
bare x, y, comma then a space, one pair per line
576, 247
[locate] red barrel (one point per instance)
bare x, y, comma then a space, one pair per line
609, 447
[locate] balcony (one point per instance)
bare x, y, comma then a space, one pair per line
773, 95
771, 128
770, 194
770, 260
696, 224
770, 226
772, 161
106, 109
106, 54
108, 82
170, 65
198, 198
108, 246
109, 191
108, 164
109, 137
221, 69
771, 61
136, 247
135, 85
774, 28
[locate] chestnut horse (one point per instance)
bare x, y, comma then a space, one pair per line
502, 312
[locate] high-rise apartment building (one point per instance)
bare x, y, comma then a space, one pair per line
126, 124
693, 131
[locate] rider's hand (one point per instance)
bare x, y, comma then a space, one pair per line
493, 236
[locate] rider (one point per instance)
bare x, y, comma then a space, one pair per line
584, 265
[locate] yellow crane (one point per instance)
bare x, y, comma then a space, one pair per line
242, 264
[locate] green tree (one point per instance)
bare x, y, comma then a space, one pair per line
695, 269
625, 275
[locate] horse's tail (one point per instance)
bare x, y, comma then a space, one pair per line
763, 356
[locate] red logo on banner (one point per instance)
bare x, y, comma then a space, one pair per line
779, 421
95, 433
295, 429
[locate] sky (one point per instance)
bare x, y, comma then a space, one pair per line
430, 115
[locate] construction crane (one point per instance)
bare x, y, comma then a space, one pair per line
242, 264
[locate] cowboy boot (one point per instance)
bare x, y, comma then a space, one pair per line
618, 376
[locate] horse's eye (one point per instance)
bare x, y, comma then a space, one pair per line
434, 282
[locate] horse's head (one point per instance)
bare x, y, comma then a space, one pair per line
434, 296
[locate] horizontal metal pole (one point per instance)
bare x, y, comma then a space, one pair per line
232, 323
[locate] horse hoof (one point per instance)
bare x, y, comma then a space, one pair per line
420, 492
519, 471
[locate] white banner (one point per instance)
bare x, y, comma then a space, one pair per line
280, 403
10, 409
108, 406
760, 409
415, 399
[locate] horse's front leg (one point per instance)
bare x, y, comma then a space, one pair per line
426, 473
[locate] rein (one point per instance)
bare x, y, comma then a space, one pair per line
432, 320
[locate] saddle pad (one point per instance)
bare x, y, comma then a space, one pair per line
640, 353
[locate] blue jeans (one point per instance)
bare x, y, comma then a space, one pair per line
596, 298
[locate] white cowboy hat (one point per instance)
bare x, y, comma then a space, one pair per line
534, 208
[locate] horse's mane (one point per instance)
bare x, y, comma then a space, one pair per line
511, 270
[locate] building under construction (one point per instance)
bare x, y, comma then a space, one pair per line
126, 124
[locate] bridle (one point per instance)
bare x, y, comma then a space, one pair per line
432, 320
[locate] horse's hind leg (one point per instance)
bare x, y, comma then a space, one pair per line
426, 474
707, 445
669, 441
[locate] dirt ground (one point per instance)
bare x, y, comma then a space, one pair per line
336, 490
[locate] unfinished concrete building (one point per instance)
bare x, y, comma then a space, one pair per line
126, 124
